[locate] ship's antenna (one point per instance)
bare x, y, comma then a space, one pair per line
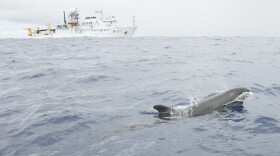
133, 20
64, 18
77, 15
101, 11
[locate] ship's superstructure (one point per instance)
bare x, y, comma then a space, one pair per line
92, 26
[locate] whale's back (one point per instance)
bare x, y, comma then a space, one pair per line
217, 101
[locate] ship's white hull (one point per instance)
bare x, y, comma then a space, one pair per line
92, 26
95, 32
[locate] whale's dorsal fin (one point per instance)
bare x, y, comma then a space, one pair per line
162, 109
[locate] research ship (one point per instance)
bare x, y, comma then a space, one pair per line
92, 26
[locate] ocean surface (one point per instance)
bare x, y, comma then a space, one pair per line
94, 96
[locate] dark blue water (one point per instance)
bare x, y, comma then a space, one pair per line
87, 96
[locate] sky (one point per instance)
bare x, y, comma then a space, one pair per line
153, 17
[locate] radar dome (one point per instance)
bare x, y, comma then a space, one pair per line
72, 10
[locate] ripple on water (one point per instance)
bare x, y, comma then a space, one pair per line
11, 98
57, 136
273, 90
94, 78
9, 112
265, 125
56, 120
39, 75
33, 75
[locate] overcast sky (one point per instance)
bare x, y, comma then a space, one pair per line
153, 17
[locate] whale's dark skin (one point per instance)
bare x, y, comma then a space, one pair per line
206, 106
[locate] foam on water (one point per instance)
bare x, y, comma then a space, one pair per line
243, 96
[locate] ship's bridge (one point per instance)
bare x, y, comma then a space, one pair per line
89, 21
88, 18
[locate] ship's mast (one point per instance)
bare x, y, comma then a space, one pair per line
64, 18
133, 20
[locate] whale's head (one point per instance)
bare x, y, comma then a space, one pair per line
238, 91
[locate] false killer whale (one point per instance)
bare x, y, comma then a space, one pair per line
208, 105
